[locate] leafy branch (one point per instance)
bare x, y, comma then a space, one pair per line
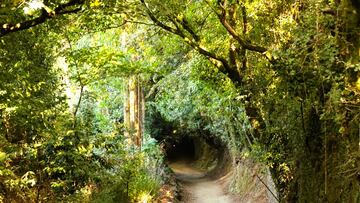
71, 7
194, 41
222, 15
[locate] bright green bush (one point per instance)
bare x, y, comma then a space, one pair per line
129, 183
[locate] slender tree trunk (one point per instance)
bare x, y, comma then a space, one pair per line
132, 98
127, 111
134, 111
78, 106
137, 112
142, 117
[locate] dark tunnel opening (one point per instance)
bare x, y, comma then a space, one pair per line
183, 149
205, 153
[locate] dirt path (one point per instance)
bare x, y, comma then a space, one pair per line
197, 187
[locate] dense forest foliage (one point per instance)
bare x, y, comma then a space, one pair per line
274, 81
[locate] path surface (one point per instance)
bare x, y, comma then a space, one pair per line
197, 187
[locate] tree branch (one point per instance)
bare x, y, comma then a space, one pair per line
244, 18
222, 17
226, 68
157, 22
194, 43
185, 24
62, 9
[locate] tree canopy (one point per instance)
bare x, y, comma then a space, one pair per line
274, 81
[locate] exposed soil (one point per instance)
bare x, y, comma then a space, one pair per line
197, 187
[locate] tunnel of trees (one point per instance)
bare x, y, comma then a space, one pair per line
98, 96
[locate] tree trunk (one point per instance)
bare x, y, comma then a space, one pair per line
134, 110
127, 111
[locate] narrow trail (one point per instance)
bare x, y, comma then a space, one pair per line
197, 187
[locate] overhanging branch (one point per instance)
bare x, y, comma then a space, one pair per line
246, 45
67, 8
194, 41
157, 21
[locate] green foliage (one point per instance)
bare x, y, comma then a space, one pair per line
280, 79
190, 98
128, 183
30, 102
48, 153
